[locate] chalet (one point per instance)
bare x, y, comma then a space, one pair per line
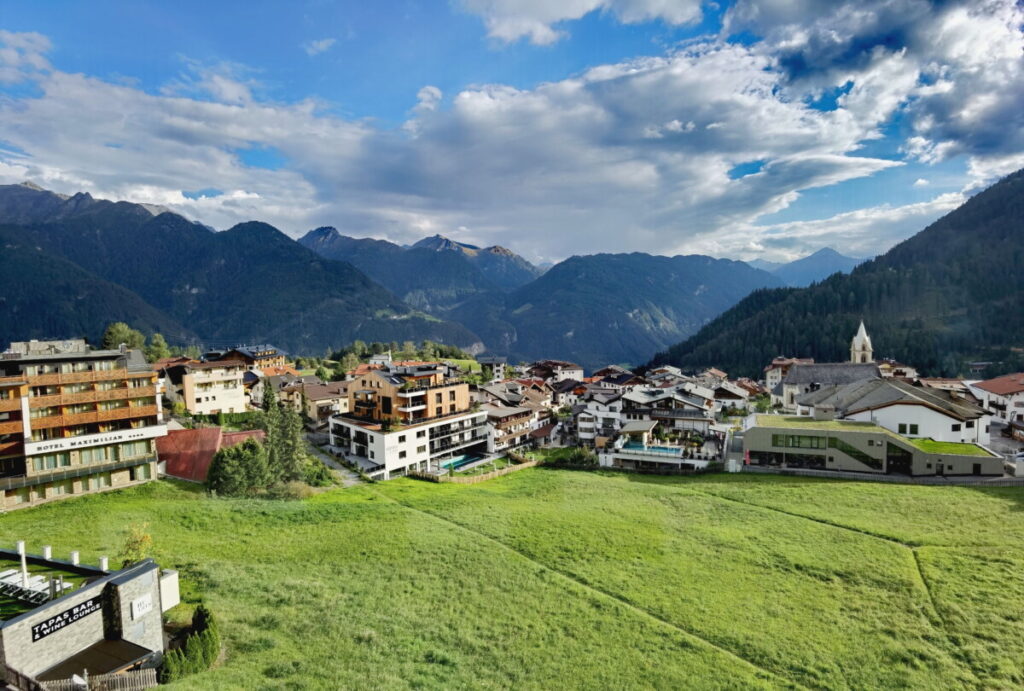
256, 356
1004, 395
508, 427
555, 370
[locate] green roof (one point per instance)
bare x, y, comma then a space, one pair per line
950, 448
927, 445
800, 422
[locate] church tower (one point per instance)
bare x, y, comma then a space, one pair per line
860, 346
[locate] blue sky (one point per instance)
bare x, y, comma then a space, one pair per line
745, 129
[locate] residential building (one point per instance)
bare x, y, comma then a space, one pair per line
409, 418
803, 379
207, 388
891, 369
324, 400
186, 454
861, 350
91, 620
634, 450
1003, 395
855, 446
775, 372
911, 411
493, 368
555, 370
729, 395
509, 427
258, 356
598, 416
75, 420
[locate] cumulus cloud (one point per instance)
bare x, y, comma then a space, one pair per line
637, 155
318, 46
511, 20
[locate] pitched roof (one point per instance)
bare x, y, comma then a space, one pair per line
871, 394
278, 370
187, 453
1006, 385
831, 373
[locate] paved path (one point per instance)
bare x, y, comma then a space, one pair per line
348, 478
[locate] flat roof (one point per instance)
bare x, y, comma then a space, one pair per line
100, 658
929, 446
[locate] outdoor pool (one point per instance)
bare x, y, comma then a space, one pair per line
457, 462
666, 450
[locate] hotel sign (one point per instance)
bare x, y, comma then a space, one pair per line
50, 445
68, 616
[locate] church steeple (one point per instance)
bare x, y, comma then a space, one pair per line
860, 346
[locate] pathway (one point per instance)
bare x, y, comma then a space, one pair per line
348, 478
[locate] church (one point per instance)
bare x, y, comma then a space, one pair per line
860, 347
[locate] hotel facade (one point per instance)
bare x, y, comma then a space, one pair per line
75, 421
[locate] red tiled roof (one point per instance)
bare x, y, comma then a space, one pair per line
363, 368
542, 432
165, 362
278, 370
1005, 385
187, 453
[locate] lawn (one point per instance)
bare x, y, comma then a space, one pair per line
551, 578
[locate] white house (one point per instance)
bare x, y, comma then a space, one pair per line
1003, 395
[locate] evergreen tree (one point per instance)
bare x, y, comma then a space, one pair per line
291, 446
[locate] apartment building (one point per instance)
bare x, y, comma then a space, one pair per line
75, 420
408, 418
208, 388
255, 357
509, 427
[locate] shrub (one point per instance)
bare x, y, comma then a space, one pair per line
581, 456
199, 653
291, 490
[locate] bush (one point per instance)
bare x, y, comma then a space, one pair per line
199, 653
581, 456
317, 474
291, 490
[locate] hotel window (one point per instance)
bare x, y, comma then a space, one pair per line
421, 449
99, 481
106, 385
21, 496
437, 411
401, 454
451, 408
421, 434
75, 388
79, 408
76, 431
5, 394
139, 383
451, 395
51, 461
113, 405
135, 448
437, 398
97, 454
42, 391
401, 439
42, 412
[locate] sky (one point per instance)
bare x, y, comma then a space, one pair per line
745, 129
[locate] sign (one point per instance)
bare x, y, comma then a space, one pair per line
68, 616
142, 605
32, 448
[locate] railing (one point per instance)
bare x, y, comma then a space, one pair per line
9, 404
447, 446
648, 451
12, 427
80, 377
123, 413
420, 388
120, 392
72, 473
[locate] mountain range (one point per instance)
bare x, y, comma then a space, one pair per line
810, 269
74, 263
950, 295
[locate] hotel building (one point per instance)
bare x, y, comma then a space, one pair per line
75, 421
408, 418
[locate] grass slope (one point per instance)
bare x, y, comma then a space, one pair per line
546, 578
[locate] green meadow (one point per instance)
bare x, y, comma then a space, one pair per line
554, 578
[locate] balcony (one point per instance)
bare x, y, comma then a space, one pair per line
443, 446
72, 472
124, 413
11, 427
412, 408
9, 404
419, 389
121, 392
81, 377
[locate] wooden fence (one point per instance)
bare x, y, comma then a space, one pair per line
473, 479
135, 680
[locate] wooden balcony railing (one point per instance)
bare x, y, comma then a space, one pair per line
119, 393
82, 377
8, 404
11, 427
10, 447
125, 413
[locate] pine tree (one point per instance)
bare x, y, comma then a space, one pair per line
157, 348
117, 333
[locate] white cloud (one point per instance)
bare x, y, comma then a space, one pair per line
318, 46
921, 182
862, 233
635, 155
511, 20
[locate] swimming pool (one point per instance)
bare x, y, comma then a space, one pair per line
457, 462
665, 450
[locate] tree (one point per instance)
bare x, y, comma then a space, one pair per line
157, 348
239, 470
323, 374
138, 544
290, 446
117, 333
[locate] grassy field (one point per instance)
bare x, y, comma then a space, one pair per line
548, 578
